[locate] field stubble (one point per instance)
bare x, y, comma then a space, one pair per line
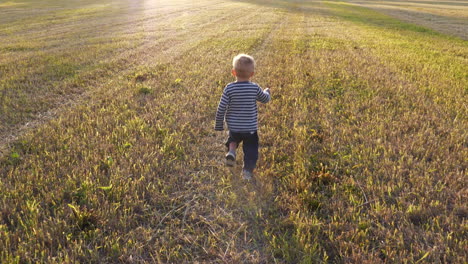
363, 155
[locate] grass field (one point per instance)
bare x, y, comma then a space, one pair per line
108, 152
450, 17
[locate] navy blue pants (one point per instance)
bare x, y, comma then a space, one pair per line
249, 146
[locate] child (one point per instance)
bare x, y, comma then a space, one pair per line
239, 107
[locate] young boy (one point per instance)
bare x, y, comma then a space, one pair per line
238, 105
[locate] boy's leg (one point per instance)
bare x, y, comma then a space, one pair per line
250, 147
233, 141
231, 145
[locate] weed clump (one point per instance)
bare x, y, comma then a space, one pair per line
144, 90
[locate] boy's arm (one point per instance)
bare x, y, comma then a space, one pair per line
220, 113
263, 96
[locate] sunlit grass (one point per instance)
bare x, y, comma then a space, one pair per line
363, 147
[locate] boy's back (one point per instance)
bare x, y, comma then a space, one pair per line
239, 100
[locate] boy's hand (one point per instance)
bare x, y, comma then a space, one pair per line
268, 90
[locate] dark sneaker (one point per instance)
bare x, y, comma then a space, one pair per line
247, 175
230, 159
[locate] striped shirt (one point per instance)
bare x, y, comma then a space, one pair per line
238, 105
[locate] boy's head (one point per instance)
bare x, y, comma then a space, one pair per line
243, 66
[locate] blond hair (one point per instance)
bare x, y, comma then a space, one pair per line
244, 65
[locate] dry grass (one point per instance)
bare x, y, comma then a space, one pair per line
363, 148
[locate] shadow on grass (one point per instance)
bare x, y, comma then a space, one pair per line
369, 17
440, 24
438, 3
295, 6
350, 12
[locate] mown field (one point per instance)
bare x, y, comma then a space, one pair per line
446, 16
109, 154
